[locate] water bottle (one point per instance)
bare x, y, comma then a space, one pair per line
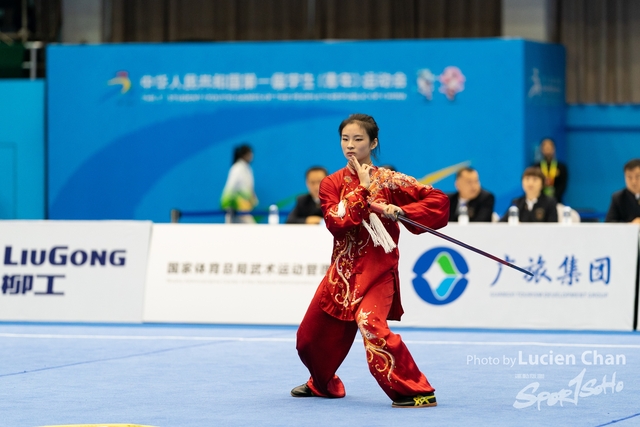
274, 217
566, 215
514, 219
463, 215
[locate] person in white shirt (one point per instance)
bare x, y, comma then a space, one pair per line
238, 196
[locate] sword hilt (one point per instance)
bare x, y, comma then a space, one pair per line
379, 208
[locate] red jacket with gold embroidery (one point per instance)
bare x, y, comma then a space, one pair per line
356, 264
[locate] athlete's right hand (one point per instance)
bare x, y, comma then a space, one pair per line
363, 171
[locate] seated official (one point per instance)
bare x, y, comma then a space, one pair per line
625, 204
555, 172
534, 206
307, 209
479, 202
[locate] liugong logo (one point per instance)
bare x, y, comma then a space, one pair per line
61, 255
30, 278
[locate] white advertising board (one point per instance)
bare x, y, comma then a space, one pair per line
73, 271
584, 277
247, 274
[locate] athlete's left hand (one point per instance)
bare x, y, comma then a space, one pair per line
392, 211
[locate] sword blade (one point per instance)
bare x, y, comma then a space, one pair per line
464, 245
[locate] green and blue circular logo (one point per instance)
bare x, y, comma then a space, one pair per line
440, 276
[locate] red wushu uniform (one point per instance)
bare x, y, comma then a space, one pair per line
361, 291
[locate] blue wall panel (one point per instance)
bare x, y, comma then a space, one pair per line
22, 179
8, 190
600, 140
544, 98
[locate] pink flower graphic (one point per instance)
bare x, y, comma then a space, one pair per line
451, 82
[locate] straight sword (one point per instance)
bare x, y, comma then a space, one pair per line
379, 208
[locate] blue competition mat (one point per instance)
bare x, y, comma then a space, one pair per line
166, 375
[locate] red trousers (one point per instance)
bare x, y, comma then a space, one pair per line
324, 341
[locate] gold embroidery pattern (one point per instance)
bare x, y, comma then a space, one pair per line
385, 179
343, 266
344, 254
346, 248
375, 346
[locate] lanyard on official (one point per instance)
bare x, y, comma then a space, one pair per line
549, 171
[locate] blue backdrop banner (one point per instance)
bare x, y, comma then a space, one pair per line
136, 130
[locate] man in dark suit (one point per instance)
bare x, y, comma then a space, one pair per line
625, 204
479, 202
307, 209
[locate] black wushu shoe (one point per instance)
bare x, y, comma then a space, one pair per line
302, 391
419, 401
